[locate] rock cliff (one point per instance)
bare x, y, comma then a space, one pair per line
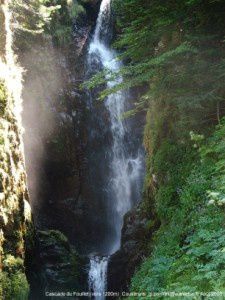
16, 227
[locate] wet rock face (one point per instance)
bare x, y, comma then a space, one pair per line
63, 269
65, 198
83, 26
136, 230
55, 141
92, 8
55, 138
55, 128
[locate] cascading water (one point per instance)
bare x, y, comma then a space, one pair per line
125, 168
97, 276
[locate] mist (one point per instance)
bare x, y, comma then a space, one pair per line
41, 88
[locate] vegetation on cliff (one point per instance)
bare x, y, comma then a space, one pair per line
175, 55
14, 226
52, 17
15, 216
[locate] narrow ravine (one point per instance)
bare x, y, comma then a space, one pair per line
124, 197
124, 183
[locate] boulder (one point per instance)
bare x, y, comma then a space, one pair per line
63, 268
137, 229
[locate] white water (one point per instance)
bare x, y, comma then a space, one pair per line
97, 276
125, 170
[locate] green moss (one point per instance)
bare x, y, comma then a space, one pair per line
12, 263
59, 236
53, 237
13, 286
76, 10
62, 34
61, 19
13, 282
3, 98
188, 253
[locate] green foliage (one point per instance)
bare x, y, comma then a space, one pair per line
60, 26
3, 98
62, 34
76, 10
176, 49
54, 236
54, 17
62, 14
189, 248
14, 287
174, 52
30, 16
33, 19
12, 264
13, 282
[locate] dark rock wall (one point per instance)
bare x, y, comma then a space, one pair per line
124, 262
62, 265
55, 138
55, 129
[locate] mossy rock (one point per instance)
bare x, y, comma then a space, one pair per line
53, 236
12, 264
3, 98
13, 286
63, 267
76, 10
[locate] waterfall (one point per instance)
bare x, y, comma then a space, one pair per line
97, 276
125, 168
